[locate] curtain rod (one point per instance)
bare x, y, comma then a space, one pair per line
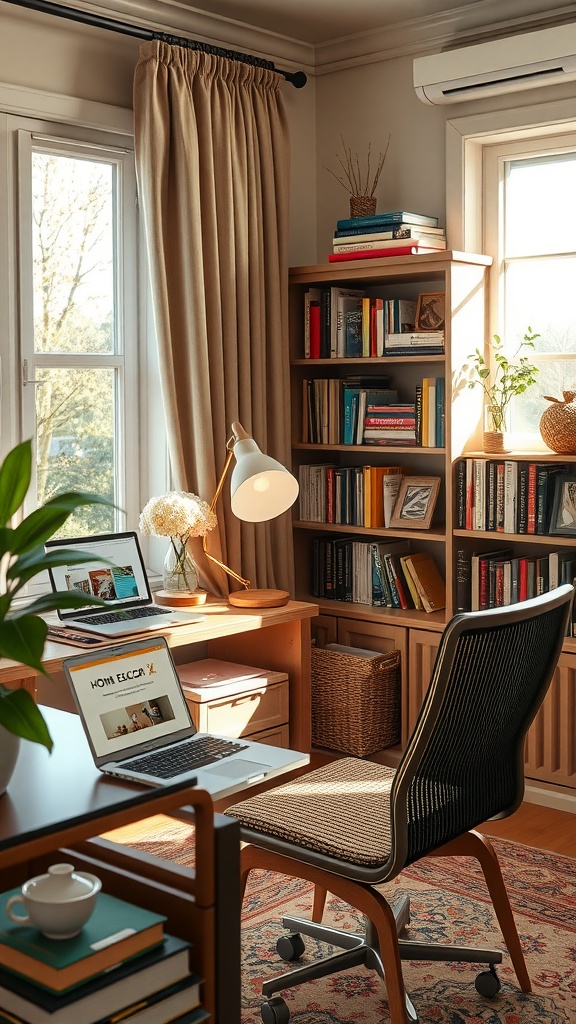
296, 78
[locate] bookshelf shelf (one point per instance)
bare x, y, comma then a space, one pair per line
366, 531
547, 540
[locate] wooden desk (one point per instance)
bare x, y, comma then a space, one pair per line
57, 803
274, 638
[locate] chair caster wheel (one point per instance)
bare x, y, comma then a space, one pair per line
290, 947
275, 1011
488, 983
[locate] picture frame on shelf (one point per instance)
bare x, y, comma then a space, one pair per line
563, 517
430, 312
415, 503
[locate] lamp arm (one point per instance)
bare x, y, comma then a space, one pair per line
221, 565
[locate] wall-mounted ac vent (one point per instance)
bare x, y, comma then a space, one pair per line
504, 65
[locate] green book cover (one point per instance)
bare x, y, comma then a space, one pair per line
113, 921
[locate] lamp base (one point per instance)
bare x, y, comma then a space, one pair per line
258, 598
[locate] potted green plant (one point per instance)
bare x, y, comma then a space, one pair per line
22, 629
500, 381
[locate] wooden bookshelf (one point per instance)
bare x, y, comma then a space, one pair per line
463, 277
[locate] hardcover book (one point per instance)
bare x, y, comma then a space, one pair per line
393, 218
374, 254
116, 931
106, 993
428, 580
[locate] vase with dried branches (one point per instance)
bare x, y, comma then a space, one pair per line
360, 180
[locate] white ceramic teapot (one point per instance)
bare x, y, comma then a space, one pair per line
59, 903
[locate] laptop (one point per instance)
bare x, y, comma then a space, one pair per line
120, 580
138, 725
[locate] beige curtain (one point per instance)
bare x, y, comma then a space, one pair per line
212, 160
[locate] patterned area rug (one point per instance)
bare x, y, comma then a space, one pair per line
449, 903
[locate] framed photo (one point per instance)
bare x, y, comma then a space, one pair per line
430, 312
563, 518
415, 502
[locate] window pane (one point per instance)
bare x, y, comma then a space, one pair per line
73, 250
553, 379
539, 293
75, 411
540, 206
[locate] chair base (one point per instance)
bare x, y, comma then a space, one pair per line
363, 949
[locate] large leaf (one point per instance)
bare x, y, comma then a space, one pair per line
37, 560
20, 715
45, 521
22, 639
59, 599
15, 475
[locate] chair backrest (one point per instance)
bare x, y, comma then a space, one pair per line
464, 762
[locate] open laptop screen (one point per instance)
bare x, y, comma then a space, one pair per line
128, 696
120, 580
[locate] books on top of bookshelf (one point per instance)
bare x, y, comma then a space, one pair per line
376, 254
389, 218
356, 243
160, 978
376, 231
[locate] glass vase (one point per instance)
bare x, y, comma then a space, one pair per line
179, 571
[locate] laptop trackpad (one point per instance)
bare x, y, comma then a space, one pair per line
237, 769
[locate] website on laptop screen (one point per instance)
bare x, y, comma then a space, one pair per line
128, 697
120, 580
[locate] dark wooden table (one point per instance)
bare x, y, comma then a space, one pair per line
56, 807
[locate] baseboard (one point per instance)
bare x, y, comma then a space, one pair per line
560, 801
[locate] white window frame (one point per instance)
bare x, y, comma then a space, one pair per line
471, 222
148, 458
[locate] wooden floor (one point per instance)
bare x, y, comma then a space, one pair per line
533, 825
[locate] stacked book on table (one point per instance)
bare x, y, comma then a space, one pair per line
396, 233
122, 966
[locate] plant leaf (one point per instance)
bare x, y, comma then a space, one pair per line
59, 599
15, 475
21, 716
22, 638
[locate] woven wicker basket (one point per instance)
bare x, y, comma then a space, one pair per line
355, 702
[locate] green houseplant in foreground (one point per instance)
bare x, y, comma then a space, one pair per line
22, 557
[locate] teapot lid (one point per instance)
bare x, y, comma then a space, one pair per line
60, 883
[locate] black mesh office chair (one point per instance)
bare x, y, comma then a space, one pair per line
354, 824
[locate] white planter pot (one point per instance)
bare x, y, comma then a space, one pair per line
9, 749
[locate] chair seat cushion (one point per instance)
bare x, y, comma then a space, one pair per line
341, 810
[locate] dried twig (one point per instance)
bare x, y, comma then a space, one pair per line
353, 180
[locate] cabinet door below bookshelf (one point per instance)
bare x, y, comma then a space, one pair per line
550, 752
423, 647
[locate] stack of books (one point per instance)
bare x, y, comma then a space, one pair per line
121, 966
395, 233
348, 495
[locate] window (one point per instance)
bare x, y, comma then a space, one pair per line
75, 360
511, 192
530, 227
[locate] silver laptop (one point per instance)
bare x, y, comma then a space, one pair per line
120, 580
138, 725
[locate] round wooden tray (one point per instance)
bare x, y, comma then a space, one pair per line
180, 598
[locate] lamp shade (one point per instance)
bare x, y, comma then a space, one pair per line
260, 488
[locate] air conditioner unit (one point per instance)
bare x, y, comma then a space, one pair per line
510, 64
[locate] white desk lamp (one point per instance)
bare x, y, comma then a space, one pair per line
260, 489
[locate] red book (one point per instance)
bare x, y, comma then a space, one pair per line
376, 254
389, 421
522, 579
314, 330
531, 503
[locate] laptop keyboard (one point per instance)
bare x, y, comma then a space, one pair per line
183, 757
121, 616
